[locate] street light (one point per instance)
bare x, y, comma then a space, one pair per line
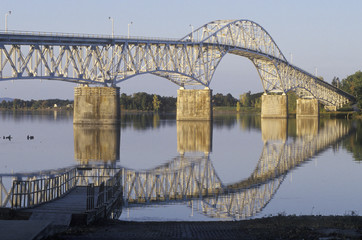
6, 20
128, 27
192, 32
112, 26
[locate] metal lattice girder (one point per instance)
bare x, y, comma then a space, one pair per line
105, 61
237, 34
192, 60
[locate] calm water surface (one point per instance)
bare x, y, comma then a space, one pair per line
236, 167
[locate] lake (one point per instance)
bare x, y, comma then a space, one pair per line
235, 167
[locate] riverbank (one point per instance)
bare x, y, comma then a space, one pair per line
216, 111
277, 227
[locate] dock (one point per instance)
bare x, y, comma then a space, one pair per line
44, 205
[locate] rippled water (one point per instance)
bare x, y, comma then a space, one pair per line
236, 167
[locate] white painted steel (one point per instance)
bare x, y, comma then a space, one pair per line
191, 60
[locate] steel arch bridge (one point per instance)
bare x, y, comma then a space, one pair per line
191, 60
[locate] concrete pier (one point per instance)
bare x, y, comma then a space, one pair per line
307, 108
274, 106
193, 104
96, 105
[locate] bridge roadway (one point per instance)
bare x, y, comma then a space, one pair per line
191, 60
190, 179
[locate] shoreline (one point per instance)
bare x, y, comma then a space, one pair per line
275, 227
216, 110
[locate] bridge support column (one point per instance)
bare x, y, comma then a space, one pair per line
96, 105
193, 104
274, 106
307, 108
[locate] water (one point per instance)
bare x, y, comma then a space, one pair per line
237, 167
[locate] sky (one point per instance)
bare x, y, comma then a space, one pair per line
322, 37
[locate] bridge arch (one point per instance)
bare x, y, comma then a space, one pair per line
163, 74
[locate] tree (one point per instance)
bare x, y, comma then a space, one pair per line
15, 103
353, 85
336, 82
238, 106
245, 99
156, 103
225, 101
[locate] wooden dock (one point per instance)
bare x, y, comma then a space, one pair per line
60, 211
78, 196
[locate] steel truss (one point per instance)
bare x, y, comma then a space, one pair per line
191, 60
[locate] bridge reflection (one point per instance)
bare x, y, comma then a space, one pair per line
274, 129
194, 136
195, 178
96, 143
191, 177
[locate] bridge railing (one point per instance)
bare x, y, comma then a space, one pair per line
28, 193
108, 199
85, 35
32, 192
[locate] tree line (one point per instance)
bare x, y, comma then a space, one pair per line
35, 104
352, 84
140, 101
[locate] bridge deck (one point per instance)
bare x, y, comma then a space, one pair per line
60, 211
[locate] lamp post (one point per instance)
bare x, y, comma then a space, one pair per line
6, 20
192, 32
112, 25
128, 27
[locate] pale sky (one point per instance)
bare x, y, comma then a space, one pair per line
321, 35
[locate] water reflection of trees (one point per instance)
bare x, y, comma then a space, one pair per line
353, 143
246, 122
145, 121
38, 115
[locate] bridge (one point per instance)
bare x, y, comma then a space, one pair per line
191, 60
184, 179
